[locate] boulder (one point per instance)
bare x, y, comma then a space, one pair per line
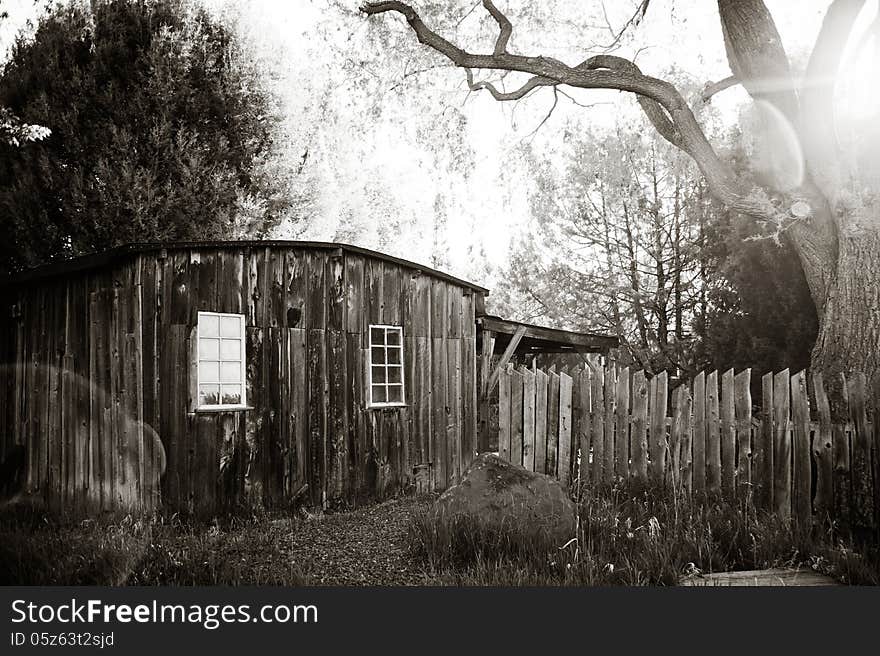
499, 495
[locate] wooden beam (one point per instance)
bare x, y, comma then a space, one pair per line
505, 358
564, 337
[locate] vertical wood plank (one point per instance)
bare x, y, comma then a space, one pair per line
728, 435
682, 428
742, 405
764, 454
782, 445
528, 445
610, 404
800, 415
551, 468
658, 448
862, 506
516, 417
504, 415
639, 469
564, 457
621, 425
700, 434
713, 436
582, 425
542, 386
822, 452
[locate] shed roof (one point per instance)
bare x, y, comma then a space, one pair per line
539, 339
113, 255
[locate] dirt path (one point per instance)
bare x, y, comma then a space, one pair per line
363, 547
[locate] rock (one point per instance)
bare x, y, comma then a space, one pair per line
499, 495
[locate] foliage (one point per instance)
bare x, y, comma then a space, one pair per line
629, 537
159, 131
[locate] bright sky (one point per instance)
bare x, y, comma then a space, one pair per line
370, 163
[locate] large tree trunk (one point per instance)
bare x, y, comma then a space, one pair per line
849, 329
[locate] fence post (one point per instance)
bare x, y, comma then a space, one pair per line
564, 457
658, 428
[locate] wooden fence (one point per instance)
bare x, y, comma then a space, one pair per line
598, 425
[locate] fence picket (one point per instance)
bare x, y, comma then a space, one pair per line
657, 440
742, 405
639, 469
713, 436
516, 417
552, 424
542, 383
862, 504
610, 399
764, 452
728, 435
564, 455
528, 430
699, 439
822, 452
781, 446
800, 448
504, 412
582, 425
679, 442
621, 423
597, 428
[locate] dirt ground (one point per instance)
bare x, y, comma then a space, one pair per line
362, 547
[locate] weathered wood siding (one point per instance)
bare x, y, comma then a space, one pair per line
100, 384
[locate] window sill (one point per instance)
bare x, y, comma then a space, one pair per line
388, 406
206, 410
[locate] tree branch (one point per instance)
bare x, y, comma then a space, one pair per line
503, 24
712, 88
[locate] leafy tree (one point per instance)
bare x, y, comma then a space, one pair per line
160, 129
817, 196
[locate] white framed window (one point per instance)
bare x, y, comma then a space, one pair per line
221, 370
385, 384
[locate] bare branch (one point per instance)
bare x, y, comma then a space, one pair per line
503, 24
712, 88
532, 84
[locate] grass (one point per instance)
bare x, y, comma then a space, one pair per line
36, 549
634, 538
624, 537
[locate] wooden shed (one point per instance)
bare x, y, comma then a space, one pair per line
214, 375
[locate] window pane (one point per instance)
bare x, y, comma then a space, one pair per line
378, 374
230, 372
377, 355
209, 372
209, 394
209, 325
230, 326
393, 336
394, 374
395, 394
209, 349
379, 395
230, 349
231, 394
394, 356
377, 335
